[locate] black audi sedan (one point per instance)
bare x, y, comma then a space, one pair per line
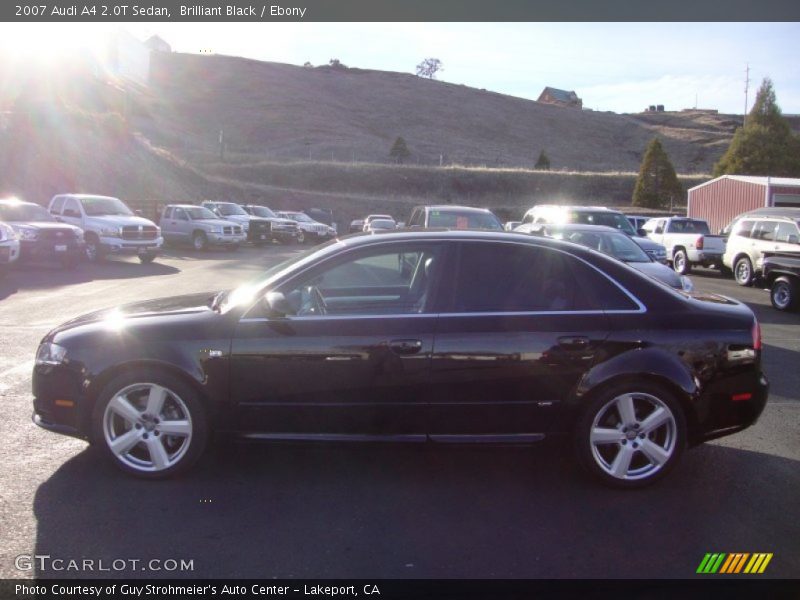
416, 336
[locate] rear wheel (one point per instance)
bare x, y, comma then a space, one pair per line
743, 271
783, 293
149, 424
631, 435
680, 262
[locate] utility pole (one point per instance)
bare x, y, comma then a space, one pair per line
746, 89
221, 145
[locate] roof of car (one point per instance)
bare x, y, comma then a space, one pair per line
583, 227
454, 207
774, 211
574, 207
182, 206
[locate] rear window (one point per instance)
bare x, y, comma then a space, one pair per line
744, 229
456, 220
688, 226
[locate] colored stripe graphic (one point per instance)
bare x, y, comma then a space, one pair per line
711, 563
758, 563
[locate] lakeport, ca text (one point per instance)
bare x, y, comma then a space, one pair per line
138, 591
264, 11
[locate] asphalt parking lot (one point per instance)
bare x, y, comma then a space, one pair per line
377, 512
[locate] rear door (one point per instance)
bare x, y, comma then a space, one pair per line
514, 338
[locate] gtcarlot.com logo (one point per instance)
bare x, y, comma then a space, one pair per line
737, 562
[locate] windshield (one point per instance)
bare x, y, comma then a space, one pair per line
24, 212
246, 293
614, 244
199, 213
300, 217
609, 219
96, 206
229, 208
469, 220
263, 211
383, 224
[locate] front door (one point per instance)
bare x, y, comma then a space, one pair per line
351, 358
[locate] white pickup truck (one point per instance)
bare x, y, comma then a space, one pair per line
688, 242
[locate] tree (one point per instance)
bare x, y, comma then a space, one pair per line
657, 185
399, 151
766, 144
337, 64
429, 67
543, 163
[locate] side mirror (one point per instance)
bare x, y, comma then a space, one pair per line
641, 232
277, 305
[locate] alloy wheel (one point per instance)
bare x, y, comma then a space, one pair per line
147, 427
781, 295
633, 436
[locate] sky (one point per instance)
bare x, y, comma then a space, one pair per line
619, 67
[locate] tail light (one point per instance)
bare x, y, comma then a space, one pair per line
756, 335
699, 244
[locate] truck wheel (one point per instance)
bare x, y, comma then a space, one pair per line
301, 237
94, 249
743, 271
199, 240
147, 258
680, 262
783, 293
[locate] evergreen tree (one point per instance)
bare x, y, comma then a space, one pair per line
399, 151
543, 163
657, 185
766, 144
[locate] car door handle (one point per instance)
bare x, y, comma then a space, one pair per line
573, 342
405, 347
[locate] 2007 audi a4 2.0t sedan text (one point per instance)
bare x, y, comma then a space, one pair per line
424, 336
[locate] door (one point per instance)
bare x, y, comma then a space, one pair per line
351, 356
181, 226
72, 212
763, 240
514, 338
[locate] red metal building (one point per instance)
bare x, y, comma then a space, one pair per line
721, 199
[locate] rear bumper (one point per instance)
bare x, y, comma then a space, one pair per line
721, 414
707, 258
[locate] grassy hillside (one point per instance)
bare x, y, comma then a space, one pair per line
282, 112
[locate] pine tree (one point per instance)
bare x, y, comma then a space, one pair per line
399, 151
543, 163
657, 185
766, 144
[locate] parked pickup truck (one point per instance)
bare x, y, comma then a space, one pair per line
109, 226
198, 226
688, 242
781, 273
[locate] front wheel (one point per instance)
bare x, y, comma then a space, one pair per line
783, 293
680, 262
94, 249
743, 271
149, 424
147, 258
301, 237
631, 435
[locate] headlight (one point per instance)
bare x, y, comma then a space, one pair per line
29, 235
216, 230
50, 354
687, 284
110, 231
7, 232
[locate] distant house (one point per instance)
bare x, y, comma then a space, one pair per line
158, 44
560, 98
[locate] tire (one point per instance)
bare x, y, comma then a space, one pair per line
743, 271
680, 262
147, 258
200, 241
133, 434
783, 294
605, 439
301, 237
93, 248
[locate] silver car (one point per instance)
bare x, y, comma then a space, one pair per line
198, 226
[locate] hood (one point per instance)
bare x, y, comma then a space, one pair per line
647, 243
660, 272
45, 225
120, 220
190, 303
282, 221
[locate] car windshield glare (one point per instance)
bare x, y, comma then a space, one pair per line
263, 211
618, 245
24, 212
609, 219
199, 213
228, 209
96, 206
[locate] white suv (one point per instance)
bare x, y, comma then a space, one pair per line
752, 236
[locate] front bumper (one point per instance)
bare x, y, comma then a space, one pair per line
59, 403
9, 251
120, 246
48, 250
219, 239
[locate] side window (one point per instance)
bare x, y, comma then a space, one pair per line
383, 281
602, 291
514, 278
786, 232
416, 218
744, 229
528, 218
659, 227
58, 204
168, 212
765, 231
180, 215
71, 208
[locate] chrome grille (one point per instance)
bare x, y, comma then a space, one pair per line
139, 232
